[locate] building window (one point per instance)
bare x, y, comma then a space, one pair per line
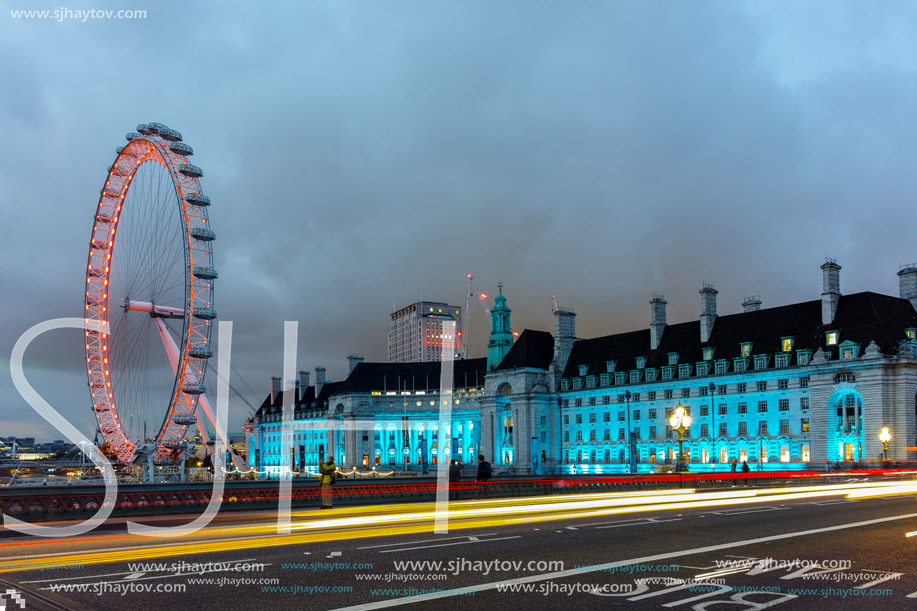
910, 333
702, 369
565, 384
704, 410
641, 362
566, 403
622, 398
651, 395
606, 400
842, 378
636, 414
610, 366
634, 377
606, 417
721, 389
652, 432
685, 393
583, 369
673, 358
745, 349
543, 419
740, 366
743, 408
847, 353
619, 378
590, 382
703, 391
650, 375
786, 344
760, 363
579, 435
722, 430
666, 373
652, 414
802, 358
804, 382
783, 360
684, 371
783, 384
592, 417
741, 387
567, 436
743, 428
579, 402
603, 379
762, 427
607, 435
784, 427
720, 368
784, 405
804, 425
803, 403
566, 418
762, 385
831, 338
762, 407
722, 409
668, 432
577, 383
805, 452
592, 435
635, 396
579, 418
704, 431
621, 416
708, 354
621, 435
591, 400
667, 393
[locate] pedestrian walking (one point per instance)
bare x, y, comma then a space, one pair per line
455, 475
327, 477
484, 473
745, 469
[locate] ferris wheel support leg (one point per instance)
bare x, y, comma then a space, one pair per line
172, 351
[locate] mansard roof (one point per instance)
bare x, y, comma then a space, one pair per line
532, 349
861, 318
368, 377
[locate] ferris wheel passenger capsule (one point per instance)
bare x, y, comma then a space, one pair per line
170, 134
180, 148
197, 199
131, 136
204, 235
190, 170
143, 128
154, 128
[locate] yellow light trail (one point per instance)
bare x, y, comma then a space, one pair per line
468, 515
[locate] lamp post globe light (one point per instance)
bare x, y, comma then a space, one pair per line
885, 437
680, 422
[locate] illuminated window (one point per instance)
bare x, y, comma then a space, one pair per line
831, 338
911, 333
784, 453
805, 452
804, 424
708, 354
847, 353
745, 349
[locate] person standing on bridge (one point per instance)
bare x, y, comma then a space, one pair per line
455, 475
327, 475
484, 473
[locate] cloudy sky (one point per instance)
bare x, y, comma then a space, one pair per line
360, 152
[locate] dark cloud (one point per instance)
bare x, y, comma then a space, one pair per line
358, 153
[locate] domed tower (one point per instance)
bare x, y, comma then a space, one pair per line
501, 332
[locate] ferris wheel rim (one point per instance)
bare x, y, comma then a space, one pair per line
156, 144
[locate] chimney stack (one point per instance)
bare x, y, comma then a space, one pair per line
831, 278
907, 279
707, 311
352, 361
319, 379
303, 381
752, 304
657, 320
564, 336
276, 387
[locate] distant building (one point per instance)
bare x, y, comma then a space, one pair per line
416, 332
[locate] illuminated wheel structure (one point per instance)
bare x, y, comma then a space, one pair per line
150, 278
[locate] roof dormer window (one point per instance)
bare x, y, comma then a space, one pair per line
832, 337
583, 369
641, 362
745, 349
708, 354
673, 358
610, 366
786, 344
910, 333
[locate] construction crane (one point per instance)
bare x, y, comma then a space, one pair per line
465, 315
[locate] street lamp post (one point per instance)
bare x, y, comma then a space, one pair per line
712, 388
885, 437
681, 422
631, 445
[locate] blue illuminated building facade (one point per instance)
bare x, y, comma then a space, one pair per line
798, 386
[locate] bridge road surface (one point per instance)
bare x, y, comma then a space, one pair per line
827, 552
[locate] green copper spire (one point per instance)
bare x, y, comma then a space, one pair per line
501, 332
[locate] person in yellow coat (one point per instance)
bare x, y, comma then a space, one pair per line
327, 475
